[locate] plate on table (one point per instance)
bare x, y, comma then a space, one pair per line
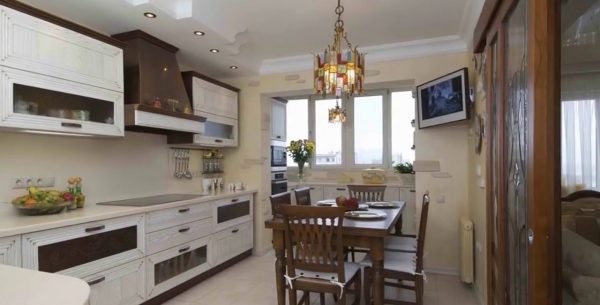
365, 215
382, 205
326, 203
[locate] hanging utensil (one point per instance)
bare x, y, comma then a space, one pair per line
187, 173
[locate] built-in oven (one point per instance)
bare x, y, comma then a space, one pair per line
278, 156
279, 182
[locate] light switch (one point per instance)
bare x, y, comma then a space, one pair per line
441, 199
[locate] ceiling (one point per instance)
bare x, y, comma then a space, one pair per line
265, 36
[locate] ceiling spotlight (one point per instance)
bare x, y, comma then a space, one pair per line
233, 67
199, 33
150, 15
214, 50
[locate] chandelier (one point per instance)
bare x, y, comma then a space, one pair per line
337, 71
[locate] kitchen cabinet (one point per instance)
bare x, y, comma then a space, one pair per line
122, 285
409, 218
334, 191
171, 237
85, 249
218, 131
10, 251
167, 218
278, 120
169, 268
231, 212
211, 98
232, 242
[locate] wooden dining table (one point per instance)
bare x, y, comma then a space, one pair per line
368, 234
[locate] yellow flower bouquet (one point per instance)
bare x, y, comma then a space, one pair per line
301, 152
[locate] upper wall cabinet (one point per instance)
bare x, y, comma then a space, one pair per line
278, 120
54, 79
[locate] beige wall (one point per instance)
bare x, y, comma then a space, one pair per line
448, 144
138, 165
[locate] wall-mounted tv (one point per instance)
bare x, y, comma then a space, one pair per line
444, 100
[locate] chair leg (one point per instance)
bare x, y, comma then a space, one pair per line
367, 287
358, 288
322, 297
419, 289
342, 300
352, 253
293, 297
306, 298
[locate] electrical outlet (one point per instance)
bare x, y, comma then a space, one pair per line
441, 199
25, 182
20, 183
43, 182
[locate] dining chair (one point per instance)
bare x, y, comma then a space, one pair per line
403, 242
313, 237
402, 266
365, 193
302, 196
279, 200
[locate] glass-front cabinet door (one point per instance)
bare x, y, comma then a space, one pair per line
39, 103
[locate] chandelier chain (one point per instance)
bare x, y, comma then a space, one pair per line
339, 23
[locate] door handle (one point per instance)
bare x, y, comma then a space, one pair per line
183, 230
184, 249
184, 210
235, 231
235, 200
94, 229
340, 189
96, 281
219, 141
72, 125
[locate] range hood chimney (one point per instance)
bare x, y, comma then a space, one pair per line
155, 97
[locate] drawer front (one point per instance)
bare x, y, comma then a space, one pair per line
122, 285
39, 46
172, 267
232, 211
171, 237
232, 242
163, 219
85, 249
10, 251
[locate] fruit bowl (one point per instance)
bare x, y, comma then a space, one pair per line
42, 209
39, 202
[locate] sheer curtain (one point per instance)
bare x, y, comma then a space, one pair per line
580, 147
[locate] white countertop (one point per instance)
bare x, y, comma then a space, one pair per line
28, 287
329, 183
13, 223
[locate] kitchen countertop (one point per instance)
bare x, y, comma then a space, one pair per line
13, 223
29, 287
296, 183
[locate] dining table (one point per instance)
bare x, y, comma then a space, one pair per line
368, 234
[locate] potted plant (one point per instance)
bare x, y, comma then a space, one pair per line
405, 169
301, 152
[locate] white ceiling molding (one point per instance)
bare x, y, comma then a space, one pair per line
380, 53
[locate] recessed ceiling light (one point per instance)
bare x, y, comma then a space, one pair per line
233, 67
199, 33
150, 15
214, 50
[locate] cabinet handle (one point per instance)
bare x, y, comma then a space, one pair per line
278, 137
96, 281
184, 249
341, 189
184, 210
235, 231
72, 125
183, 230
94, 229
219, 141
235, 200
312, 188
412, 191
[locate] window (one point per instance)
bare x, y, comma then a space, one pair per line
328, 137
403, 113
296, 123
368, 130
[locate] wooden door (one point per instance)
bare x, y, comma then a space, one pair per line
519, 40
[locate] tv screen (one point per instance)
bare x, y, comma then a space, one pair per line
443, 100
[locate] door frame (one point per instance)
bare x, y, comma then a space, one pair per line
543, 172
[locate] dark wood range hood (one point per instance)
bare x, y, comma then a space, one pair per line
155, 97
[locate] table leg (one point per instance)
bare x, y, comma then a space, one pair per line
377, 255
398, 227
279, 266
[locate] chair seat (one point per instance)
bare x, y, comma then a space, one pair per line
401, 244
396, 261
350, 269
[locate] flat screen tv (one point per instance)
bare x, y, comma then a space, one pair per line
444, 100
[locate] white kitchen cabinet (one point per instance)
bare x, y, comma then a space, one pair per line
232, 211
85, 249
122, 285
32, 101
409, 221
278, 120
211, 98
162, 219
334, 191
171, 237
35, 45
10, 250
233, 241
316, 192
219, 131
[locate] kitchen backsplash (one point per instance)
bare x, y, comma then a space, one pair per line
111, 168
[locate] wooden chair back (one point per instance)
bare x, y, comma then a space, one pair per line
584, 194
422, 232
279, 200
316, 233
302, 196
366, 193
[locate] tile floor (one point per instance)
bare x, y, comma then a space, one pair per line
251, 282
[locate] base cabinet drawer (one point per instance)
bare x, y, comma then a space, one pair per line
122, 285
171, 237
10, 251
169, 268
232, 242
163, 219
232, 212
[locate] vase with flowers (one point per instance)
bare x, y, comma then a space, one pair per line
75, 190
301, 152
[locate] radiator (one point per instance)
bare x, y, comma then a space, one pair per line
466, 249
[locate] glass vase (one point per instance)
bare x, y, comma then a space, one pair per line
301, 172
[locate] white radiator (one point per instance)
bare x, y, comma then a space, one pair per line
466, 250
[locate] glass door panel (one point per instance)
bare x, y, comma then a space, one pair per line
218, 130
177, 265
